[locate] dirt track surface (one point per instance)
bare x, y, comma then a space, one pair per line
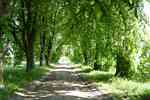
62, 83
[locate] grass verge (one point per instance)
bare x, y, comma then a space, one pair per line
118, 88
16, 78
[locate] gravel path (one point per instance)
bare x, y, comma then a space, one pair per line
63, 83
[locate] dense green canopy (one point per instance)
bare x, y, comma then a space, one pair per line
104, 34
107, 38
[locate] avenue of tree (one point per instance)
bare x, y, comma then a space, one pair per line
103, 34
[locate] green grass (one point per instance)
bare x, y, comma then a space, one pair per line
16, 78
119, 88
97, 76
86, 68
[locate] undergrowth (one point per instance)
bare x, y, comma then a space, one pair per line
15, 78
118, 88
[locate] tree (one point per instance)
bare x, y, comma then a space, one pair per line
4, 7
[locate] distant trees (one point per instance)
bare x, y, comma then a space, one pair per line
102, 34
107, 33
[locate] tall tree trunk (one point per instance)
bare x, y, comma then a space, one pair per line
30, 55
3, 11
1, 71
4, 7
3, 52
85, 58
51, 39
29, 36
48, 52
42, 44
97, 66
122, 66
1, 62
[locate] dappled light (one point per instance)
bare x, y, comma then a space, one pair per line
64, 60
146, 11
63, 83
74, 49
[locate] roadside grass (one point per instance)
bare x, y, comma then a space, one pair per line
123, 89
15, 78
97, 76
118, 88
86, 68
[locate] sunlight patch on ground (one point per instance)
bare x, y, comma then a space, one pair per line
62, 83
24, 95
83, 94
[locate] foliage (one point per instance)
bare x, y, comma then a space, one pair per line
16, 78
118, 88
86, 69
102, 35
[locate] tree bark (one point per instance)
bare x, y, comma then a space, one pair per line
97, 66
29, 36
30, 54
1, 72
48, 52
4, 7
85, 58
123, 66
42, 44
3, 52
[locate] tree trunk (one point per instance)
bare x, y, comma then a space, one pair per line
30, 55
85, 58
4, 7
29, 36
3, 52
42, 44
50, 41
1, 71
123, 66
96, 65
1, 66
48, 53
